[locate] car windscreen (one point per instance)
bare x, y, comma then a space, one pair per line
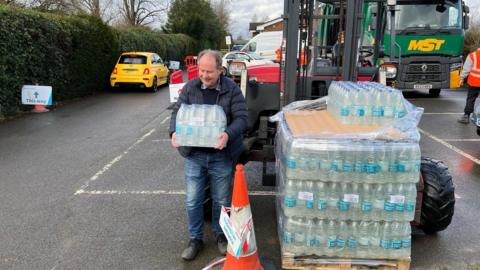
133, 59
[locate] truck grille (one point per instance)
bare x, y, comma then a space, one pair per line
417, 68
423, 72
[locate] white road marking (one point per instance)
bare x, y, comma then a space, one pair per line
457, 196
111, 163
165, 120
435, 99
161, 140
442, 113
156, 192
458, 151
461, 140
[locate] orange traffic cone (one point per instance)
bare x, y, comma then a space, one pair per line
241, 217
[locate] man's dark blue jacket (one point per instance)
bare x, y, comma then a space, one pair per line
231, 99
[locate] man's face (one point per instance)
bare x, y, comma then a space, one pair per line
208, 71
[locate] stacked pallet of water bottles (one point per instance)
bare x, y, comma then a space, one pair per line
347, 197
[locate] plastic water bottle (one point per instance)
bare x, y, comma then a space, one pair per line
406, 240
367, 202
290, 200
386, 242
415, 160
410, 201
343, 203
300, 187
345, 113
320, 236
388, 108
399, 203
343, 234
190, 128
375, 239
370, 163
378, 205
360, 165
336, 165
352, 242
331, 243
403, 162
382, 164
288, 232
389, 205
321, 199
333, 198
396, 236
180, 126
299, 236
377, 108
355, 190
324, 163
292, 163
348, 165
310, 237
363, 240
399, 108
309, 196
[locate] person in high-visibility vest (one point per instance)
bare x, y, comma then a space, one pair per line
471, 71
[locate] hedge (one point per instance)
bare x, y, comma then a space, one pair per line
73, 54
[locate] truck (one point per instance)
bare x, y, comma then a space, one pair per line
428, 45
323, 42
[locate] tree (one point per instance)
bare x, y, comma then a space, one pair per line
221, 9
197, 19
142, 12
99, 8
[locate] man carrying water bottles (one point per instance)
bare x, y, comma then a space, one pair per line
210, 165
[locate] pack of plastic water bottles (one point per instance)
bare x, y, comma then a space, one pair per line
347, 196
199, 125
364, 103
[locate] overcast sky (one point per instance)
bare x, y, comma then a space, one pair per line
242, 12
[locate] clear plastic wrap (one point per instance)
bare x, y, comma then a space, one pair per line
347, 195
199, 125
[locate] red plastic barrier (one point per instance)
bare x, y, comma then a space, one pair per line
192, 72
190, 60
176, 77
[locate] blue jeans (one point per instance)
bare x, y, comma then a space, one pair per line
201, 167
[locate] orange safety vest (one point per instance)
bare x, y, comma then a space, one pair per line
474, 75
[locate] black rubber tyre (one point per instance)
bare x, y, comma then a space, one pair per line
438, 196
207, 205
154, 87
478, 131
434, 92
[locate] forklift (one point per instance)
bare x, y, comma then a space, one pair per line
325, 41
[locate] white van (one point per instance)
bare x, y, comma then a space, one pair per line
265, 44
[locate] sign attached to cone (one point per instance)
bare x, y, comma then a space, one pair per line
242, 249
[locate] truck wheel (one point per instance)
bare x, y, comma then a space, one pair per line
207, 205
478, 131
438, 196
434, 92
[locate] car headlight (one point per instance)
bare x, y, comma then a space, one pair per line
235, 68
390, 71
455, 66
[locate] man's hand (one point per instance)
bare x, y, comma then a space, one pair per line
222, 141
174, 141
461, 82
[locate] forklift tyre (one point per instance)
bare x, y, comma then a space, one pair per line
478, 131
434, 92
438, 196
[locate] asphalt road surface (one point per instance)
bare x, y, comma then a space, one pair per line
95, 184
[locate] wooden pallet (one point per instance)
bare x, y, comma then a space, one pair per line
291, 262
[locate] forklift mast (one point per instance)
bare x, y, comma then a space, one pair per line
323, 39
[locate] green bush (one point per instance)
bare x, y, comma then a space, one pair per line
73, 54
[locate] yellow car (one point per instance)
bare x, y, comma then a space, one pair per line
142, 69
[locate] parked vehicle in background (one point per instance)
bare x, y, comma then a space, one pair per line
249, 59
265, 44
139, 69
237, 47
